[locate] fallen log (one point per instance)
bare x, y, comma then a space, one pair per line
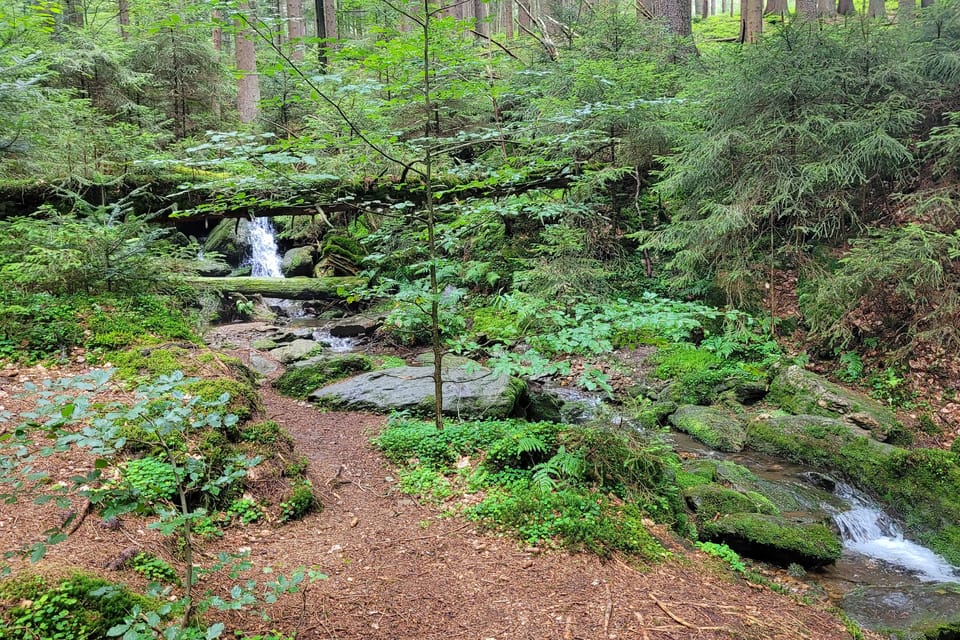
286, 288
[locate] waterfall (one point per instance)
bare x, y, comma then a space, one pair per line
264, 257
867, 530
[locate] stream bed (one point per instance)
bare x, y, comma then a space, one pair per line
883, 580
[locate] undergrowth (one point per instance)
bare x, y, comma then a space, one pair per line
559, 485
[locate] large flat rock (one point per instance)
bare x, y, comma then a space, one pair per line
469, 391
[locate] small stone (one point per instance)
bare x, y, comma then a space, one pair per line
354, 521
337, 548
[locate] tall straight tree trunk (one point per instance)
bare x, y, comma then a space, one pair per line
906, 10
926, 3
480, 15
826, 8
751, 20
506, 10
248, 88
807, 9
776, 7
123, 18
876, 9
296, 29
217, 34
677, 13
846, 8
326, 29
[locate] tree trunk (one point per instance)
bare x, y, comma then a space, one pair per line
846, 8
217, 31
323, 31
524, 17
73, 13
506, 8
287, 288
480, 15
776, 7
926, 3
677, 14
296, 29
807, 9
877, 9
751, 20
826, 8
248, 88
906, 10
123, 17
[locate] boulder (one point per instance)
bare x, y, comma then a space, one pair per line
799, 391
230, 238
710, 500
775, 539
297, 262
469, 391
554, 403
919, 611
714, 427
307, 375
355, 326
296, 350
211, 268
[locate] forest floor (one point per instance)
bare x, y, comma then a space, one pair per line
400, 569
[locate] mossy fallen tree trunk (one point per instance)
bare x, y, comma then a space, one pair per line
286, 288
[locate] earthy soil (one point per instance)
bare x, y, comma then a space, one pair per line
400, 569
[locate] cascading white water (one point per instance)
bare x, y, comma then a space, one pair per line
264, 256
335, 345
867, 530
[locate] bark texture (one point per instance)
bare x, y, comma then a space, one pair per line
248, 87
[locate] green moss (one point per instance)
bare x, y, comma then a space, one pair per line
773, 538
301, 381
922, 486
716, 428
299, 502
710, 500
496, 324
698, 375
265, 432
35, 607
244, 399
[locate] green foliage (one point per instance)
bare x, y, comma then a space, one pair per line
302, 380
154, 569
299, 503
265, 432
580, 487
35, 326
827, 105
151, 480
697, 373
105, 249
852, 366
79, 606
725, 553
245, 510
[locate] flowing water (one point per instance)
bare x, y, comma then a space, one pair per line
868, 531
264, 256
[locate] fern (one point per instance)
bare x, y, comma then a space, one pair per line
563, 467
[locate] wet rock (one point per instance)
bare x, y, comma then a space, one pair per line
716, 428
230, 238
468, 391
922, 611
554, 403
803, 392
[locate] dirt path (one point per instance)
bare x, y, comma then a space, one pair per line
398, 569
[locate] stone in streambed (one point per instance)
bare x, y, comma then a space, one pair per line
775, 539
716, 428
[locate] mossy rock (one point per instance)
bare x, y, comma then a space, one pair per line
716, 428
921, 486
803, 392
308, 376
297, 262
299, 349
230, 238
710, 500
775, 539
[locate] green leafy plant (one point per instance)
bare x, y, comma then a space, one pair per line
300, 502
153, 568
